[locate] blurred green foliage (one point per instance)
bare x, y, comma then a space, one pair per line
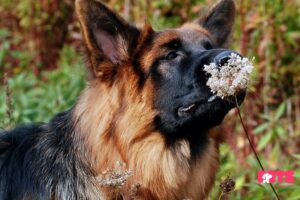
36, 100
267, 30
35, 27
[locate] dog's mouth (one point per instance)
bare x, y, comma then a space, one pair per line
185, 111
190, 109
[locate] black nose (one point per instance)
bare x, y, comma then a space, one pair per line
223, 57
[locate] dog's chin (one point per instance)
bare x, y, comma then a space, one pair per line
197, 118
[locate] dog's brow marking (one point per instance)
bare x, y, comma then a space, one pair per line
156, 49
170, 44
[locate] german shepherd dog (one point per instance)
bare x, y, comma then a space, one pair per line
146, 105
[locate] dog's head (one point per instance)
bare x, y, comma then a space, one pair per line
168, 64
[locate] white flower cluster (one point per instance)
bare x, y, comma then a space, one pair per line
229, 79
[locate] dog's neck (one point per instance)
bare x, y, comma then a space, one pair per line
101, 119
107, 130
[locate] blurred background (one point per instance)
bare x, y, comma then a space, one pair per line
42, 73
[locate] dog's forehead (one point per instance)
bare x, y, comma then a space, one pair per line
188, 33
193, 33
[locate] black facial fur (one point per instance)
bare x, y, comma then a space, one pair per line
182, 97
180, 84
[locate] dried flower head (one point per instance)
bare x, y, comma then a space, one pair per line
227, 185
230, 78
116, 177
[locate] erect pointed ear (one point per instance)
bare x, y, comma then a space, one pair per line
108, 38
219, 21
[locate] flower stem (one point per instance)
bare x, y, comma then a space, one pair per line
220, 197
8, 97
252, 146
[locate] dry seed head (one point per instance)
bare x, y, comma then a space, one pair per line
227, 185
116, 177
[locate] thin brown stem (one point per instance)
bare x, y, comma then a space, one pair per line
252, 146
220, 197
8, 96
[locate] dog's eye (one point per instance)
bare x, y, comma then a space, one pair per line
171, 55
207, 45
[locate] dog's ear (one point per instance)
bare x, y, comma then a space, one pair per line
108, 38
219, 21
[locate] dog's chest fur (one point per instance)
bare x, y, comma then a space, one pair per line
177, 176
